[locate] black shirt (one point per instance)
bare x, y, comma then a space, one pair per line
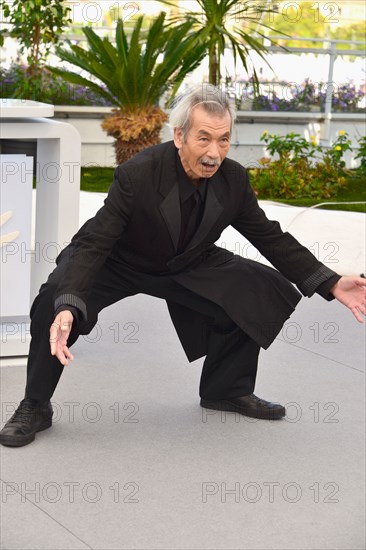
192, 202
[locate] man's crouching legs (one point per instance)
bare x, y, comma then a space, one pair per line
35, 412
229, 374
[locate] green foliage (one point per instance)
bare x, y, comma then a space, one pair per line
362, 155
299, 172
139, 69
96, 179
298, 20
292, 145
335, 153
354, 32
313, 20
210, 27
37, 25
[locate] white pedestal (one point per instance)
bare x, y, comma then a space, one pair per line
57, 192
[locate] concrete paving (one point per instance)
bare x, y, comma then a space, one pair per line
133, 462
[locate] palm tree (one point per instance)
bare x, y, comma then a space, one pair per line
133, 75
210, 27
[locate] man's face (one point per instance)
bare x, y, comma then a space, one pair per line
206, 145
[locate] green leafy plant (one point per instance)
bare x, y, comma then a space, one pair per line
303, 169
210, 27
335, 153
37, 26
312, 19
133, 75
290, 146
362, 155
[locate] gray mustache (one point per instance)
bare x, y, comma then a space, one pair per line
213, 162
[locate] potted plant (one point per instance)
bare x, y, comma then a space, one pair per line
37, 26
133, 75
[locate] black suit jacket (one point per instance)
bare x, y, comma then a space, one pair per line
139, 226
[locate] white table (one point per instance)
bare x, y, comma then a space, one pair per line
57, 189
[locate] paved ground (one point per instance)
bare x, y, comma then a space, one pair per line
133, 462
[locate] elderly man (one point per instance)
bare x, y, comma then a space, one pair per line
155, 234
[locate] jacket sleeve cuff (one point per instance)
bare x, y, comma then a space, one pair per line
316, 282
72, 300
324, 288
75, 312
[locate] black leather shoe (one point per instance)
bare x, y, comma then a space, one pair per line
248, 405
29, 418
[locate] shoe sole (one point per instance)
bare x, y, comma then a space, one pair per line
13, 441
230, 407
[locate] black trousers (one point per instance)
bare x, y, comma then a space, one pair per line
230, 366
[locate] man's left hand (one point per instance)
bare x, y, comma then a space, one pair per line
351, 291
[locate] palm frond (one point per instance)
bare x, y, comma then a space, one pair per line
121, 42
210, 27
75, 78
132, 71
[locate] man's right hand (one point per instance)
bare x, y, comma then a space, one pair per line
59, 333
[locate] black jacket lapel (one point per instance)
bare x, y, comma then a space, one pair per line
170, 210
168, 188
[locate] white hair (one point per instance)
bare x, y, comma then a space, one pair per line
211, 98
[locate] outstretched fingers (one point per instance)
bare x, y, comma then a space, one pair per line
356, 312
54, 337
59, 333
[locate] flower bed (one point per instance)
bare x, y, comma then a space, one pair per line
309, 96
54, 90
303, 168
